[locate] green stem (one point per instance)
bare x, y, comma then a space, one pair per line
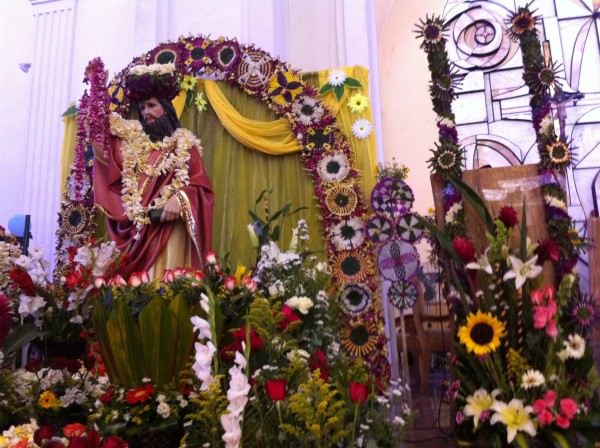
355, 422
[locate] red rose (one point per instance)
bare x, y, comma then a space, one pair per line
288, 317
358, 392
108, 395
256, 342
43, 433
465, 249
93, 438
547, 251
508, 216
230, 283
168, 276
276, 389
50, 444
114, 442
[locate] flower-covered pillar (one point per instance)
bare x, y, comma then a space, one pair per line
50, 68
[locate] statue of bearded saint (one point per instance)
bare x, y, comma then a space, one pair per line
153, 188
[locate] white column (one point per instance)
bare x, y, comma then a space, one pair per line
51, 63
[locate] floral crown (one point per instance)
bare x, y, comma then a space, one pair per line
145, 81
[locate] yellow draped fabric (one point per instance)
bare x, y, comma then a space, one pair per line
240, 137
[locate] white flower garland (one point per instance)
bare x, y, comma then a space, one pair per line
136, 147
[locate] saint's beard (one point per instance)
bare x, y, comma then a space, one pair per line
160, 128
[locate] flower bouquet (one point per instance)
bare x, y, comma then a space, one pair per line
524, 373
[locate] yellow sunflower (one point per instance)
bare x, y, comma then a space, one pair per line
482, 333
48, 400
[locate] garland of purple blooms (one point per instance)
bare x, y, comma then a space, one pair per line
561, 248
96, 114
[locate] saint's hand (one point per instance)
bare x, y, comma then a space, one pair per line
171, 211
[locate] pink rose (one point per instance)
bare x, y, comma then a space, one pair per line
562, 421
568, 407
540, 317
551, 329
549, 292
179, 272
211, 258
537, 297
545, 417
99, 282
168, 276
117, 280
230, 283
539, 406
250, 284
552, 308
550, 398
138, 278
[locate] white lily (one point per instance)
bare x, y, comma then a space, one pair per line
521, 271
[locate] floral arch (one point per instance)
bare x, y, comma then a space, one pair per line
327, 154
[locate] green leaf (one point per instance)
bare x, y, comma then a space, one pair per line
125, 344
100, 321
275, 233
189, 98
558, 440
71, 110
524, 230
352, 83
443, 238
184, 334
157, 336
20, 337
339, 92
326, 88
521, 440
281, 211
476, 202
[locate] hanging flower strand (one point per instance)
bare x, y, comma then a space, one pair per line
99, 103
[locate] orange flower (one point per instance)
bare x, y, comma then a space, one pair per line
139, 395
74, 430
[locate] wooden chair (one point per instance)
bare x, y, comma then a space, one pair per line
429, 331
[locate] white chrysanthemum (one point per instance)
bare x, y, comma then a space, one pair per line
575, 346
163, 409
337, 77
444, 121
452, 212
362, 128
555, 202
546, 123
302, 304
532, 378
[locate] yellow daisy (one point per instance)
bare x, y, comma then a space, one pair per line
482, 333
358, 103
48, 400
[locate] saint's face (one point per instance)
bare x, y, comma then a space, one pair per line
151, 110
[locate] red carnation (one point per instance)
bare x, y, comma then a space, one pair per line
318, 360
465, 249
6, 313
288, 317
74, 430
358, 392
108, 395
139, 395
44, 432
508, 216
114, 442
547, 251
276, 389
23, 280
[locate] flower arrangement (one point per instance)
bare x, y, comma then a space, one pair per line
326, 152
524, 372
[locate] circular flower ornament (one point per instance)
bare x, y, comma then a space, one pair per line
348, 233
359, 337
341, 200
392, 196
284, 87
226, 55
403, 294
355, 299
351, 266
409, 228
318, 139
380, 229
78, 186
397, 260
521, 22
559, 155
166, 54
254, 71
333, 167
74, 218
196, 54
307, 110
431, 31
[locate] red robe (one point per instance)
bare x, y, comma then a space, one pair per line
153, 237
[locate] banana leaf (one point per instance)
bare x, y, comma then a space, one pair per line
184, 335
99, 321
476, 202
125, 344
158, 343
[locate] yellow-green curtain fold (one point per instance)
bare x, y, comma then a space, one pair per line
239, 172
